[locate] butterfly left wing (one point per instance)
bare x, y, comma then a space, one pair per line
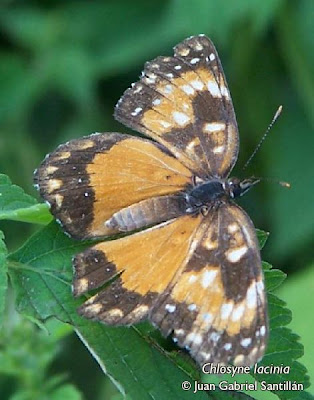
143, 264
105, 183
184, 103
217, 306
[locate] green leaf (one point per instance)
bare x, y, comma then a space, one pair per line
16, 205
134, 360
297, 291
262, 237
274, 278
26, 356
41, 276
3, 276
68, 392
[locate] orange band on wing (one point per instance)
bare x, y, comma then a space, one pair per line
133, 170
151, 258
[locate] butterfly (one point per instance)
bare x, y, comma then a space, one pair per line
188, 259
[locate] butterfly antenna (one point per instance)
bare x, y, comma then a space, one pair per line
281, 183
276, 116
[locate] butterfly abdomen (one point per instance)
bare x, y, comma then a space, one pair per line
147, 212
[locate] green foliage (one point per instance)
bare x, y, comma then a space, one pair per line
63, 66
18, 206
26, 354
3, 276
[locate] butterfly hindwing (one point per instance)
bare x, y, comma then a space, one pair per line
88, 181
143, 263
184, 103
217, 307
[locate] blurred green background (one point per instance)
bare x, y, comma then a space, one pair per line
64, 64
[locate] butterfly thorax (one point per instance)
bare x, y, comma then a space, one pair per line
205, 193
210, 192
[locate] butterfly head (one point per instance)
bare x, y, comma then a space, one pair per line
237, 187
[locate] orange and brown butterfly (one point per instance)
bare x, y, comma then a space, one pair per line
190, 263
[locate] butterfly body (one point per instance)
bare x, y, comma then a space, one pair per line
190, 263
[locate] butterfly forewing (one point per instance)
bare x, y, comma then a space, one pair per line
87, 181
184, 103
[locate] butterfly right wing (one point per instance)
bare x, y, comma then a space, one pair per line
216, 307
184, 103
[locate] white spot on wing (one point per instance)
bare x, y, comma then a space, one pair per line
212, 57
192, 144
198, 47
192, 307
180, 118
236, 254
156, 102
238, 360
205, 355
224, 91
194, 60
167, 89
214, 336
233, 228
170, 307
184, 51
149, 80
59, 199
197, 84
227, 346
260, 288
194, 337
246, 342
251, 297
137, 89
210, 244
214, 126
136, 111
237, 312
262, 330
226, 310
187, 89
213, 89
208, 277
218, 149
